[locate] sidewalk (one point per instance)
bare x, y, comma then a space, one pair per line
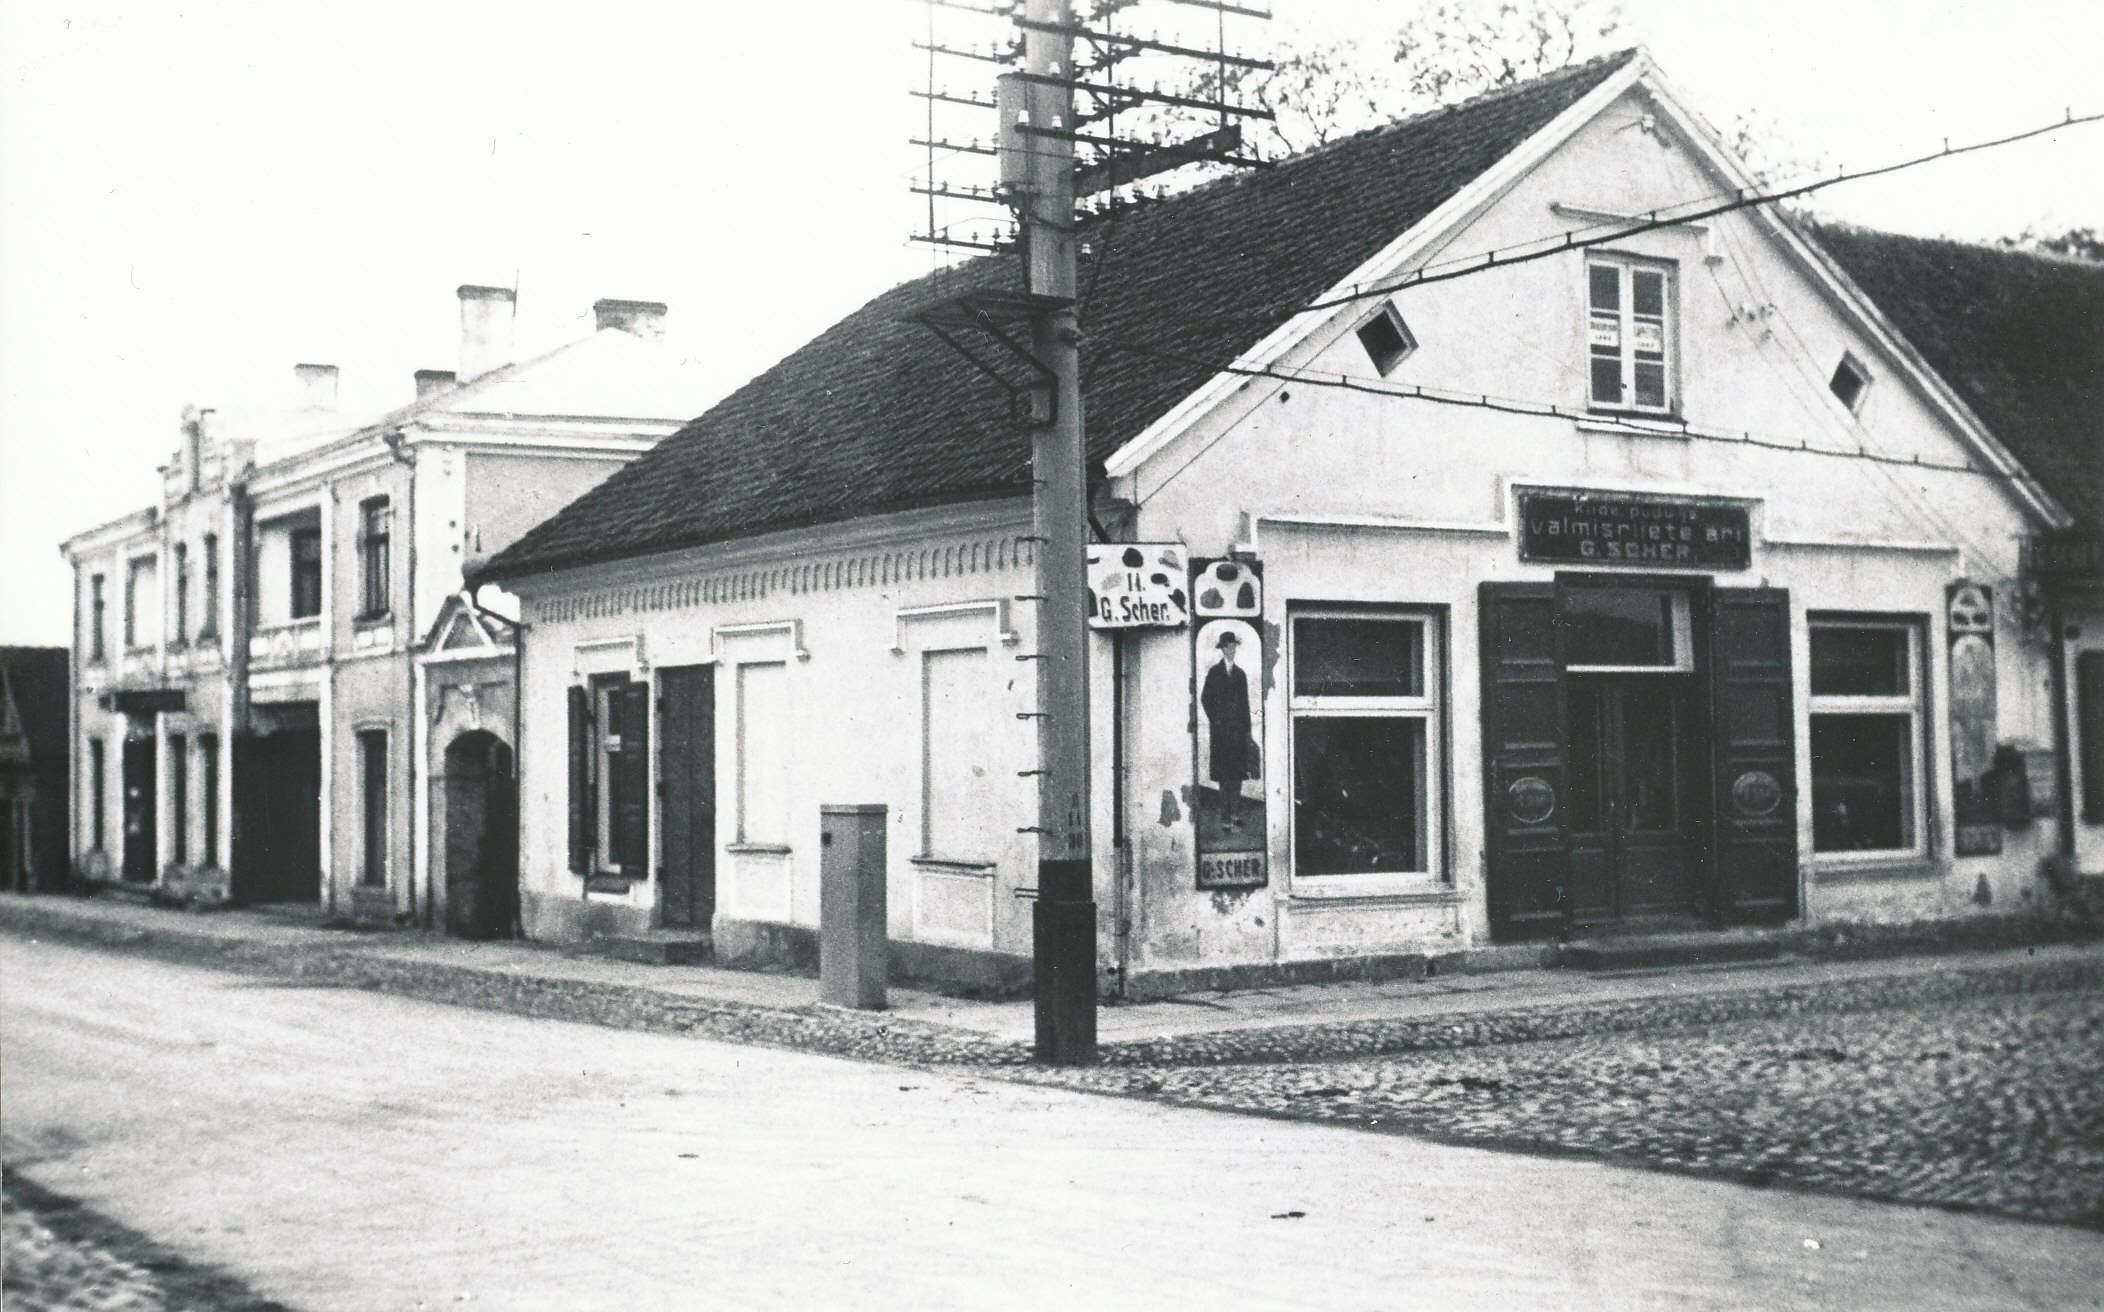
1278, 1024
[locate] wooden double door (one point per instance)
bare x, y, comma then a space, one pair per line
1636, 852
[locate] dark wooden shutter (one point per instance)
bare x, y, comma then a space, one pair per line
631, 836
580, 781
1526, 790
1756, 760
687, 794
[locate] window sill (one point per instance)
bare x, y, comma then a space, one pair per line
952, 867
373, 618
1872, 869
757, 849
605, 882
1311, 891
1632, 423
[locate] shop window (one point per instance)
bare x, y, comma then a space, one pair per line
372, 773
1611, 630
375, 532
763, 753
98, 617
957, 782
1850, 381
1867, 737
1630, 334
98, 781
2089, 732
208, 794
1387, 340
179, 799
1366, 743
306, 572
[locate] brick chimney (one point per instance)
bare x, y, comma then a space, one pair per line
485, 329
430, 382
314, 387
643, 318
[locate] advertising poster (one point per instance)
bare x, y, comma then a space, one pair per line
1970, 622
1228, 683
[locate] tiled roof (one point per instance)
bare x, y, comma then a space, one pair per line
2019, 335
877, 415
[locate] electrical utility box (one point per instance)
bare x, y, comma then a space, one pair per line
852, 948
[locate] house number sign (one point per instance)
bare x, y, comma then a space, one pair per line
1613, 528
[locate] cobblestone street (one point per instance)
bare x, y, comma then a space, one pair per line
1996, 1104
62, 1257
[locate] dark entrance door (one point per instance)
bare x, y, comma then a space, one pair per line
1635, 849
482, 837
139, 810
687, 795
277, 817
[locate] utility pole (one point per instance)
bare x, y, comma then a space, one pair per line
1063, 929
1041, 181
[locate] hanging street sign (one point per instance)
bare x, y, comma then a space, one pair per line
1138, 585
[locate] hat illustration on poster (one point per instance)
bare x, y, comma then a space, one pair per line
1228, 589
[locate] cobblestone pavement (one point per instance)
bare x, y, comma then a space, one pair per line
1996, 1104
61, 1257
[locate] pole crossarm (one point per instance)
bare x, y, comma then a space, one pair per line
1032, 403
1135, 95
1076, 32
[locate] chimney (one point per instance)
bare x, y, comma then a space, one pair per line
485, 329
430, 382
314, 386
643, 318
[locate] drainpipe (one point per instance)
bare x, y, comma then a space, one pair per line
1121, 837
398, 451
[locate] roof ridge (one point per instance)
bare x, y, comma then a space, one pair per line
1944, 239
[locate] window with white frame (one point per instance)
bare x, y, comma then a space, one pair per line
763, 753
1867, 737
1367, 742
1630, 334
142, 603
958, 799
608, 779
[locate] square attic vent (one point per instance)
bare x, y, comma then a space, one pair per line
1387, 339
1850, 381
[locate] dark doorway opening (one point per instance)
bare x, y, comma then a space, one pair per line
482, 837
141, 810
277, 817
1635, 848
687, 801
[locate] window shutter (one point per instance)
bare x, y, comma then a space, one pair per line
580, 782
631, 827
1756, 759
1527, 794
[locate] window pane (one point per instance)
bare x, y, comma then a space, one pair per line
1862, 783
1606, 287
1859, 662
1358, 795
1647, 292
1358, 658
1650, 384
1584, 755
1607, 380
1617, 626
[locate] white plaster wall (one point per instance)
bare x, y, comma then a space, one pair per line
1280, 448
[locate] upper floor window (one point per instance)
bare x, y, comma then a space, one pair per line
375, 523
208, 618
1630, 334
306, 572
181, 583
98, 617
142, 613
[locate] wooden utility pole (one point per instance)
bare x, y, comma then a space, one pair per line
1064, 918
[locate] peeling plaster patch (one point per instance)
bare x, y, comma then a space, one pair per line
1171, 813
1273, 649
1227, 900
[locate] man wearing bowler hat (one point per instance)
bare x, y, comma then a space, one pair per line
1225, 700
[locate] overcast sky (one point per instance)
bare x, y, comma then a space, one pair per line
194, 198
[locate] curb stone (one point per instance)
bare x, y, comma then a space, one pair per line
879, 1036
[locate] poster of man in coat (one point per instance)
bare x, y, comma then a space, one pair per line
1229, 663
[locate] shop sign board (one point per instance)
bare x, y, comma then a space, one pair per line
1976, 799
2065, 557
1228, 811
1138, 585
1616, 528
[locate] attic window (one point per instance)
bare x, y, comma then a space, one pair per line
1387, 339
1851, 380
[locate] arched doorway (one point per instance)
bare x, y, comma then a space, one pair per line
482, 837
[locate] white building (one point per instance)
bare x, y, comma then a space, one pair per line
249, 706
1655, 584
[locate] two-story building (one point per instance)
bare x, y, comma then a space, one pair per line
254, 656
1550, 573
